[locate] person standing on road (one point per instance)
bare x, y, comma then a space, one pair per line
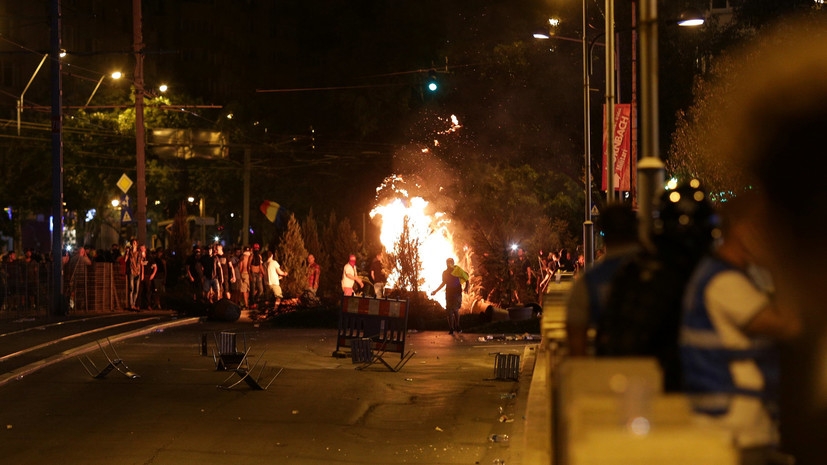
350, 276
523, 276
233, 261
160, 280
377, 274
148, 270
134, 269
244, 272
225, 273
195, 274
274, 272
256, 276
314, 271
454, 279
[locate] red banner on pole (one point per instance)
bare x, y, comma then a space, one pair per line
622, 142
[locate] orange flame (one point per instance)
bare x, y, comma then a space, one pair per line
431, 229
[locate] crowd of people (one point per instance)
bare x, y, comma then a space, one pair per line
145, 272
23, 280
247, 276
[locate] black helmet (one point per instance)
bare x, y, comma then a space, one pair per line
685, 221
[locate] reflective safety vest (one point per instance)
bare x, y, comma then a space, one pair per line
706, 359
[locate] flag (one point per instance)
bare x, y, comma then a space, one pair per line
270, 210
622, 143
460, 273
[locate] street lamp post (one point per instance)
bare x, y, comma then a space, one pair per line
140, 143
650, 167
116, 75
588, 224
57, 159
20, 101
609, 129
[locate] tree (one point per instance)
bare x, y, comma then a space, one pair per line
312, 242
292, 256
180, 238
406, 261
690, 153
330, 281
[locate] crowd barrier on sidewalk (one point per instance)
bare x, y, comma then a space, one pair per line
378, 324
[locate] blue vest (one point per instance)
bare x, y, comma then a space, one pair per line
599, 283
706, 362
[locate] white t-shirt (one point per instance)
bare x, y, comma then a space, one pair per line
273, 269
732, 301
348, 270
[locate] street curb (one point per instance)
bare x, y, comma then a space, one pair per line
18, 374
537, 436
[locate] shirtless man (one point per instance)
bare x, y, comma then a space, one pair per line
244, 272
257, 275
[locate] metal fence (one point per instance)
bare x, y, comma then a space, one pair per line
26, 288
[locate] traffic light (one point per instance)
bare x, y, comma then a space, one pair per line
432, 83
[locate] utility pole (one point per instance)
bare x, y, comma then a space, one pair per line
588, 224
245, 209
610, 101
57, 162
651, 167
140, 140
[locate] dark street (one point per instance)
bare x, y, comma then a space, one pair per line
440, 408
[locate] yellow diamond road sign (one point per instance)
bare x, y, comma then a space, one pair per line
124, 183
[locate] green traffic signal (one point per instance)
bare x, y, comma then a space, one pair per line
432, 84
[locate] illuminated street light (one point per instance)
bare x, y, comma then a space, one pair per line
163, 87
588, 224
691, 19
549, 31
650, 164
115, 75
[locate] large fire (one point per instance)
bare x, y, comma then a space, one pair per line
431, 228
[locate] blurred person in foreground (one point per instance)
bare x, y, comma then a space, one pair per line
642, 316
590, 290
772, 129
730, 321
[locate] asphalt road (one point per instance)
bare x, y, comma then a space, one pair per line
440, 408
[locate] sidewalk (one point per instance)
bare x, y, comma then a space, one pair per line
538, 408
